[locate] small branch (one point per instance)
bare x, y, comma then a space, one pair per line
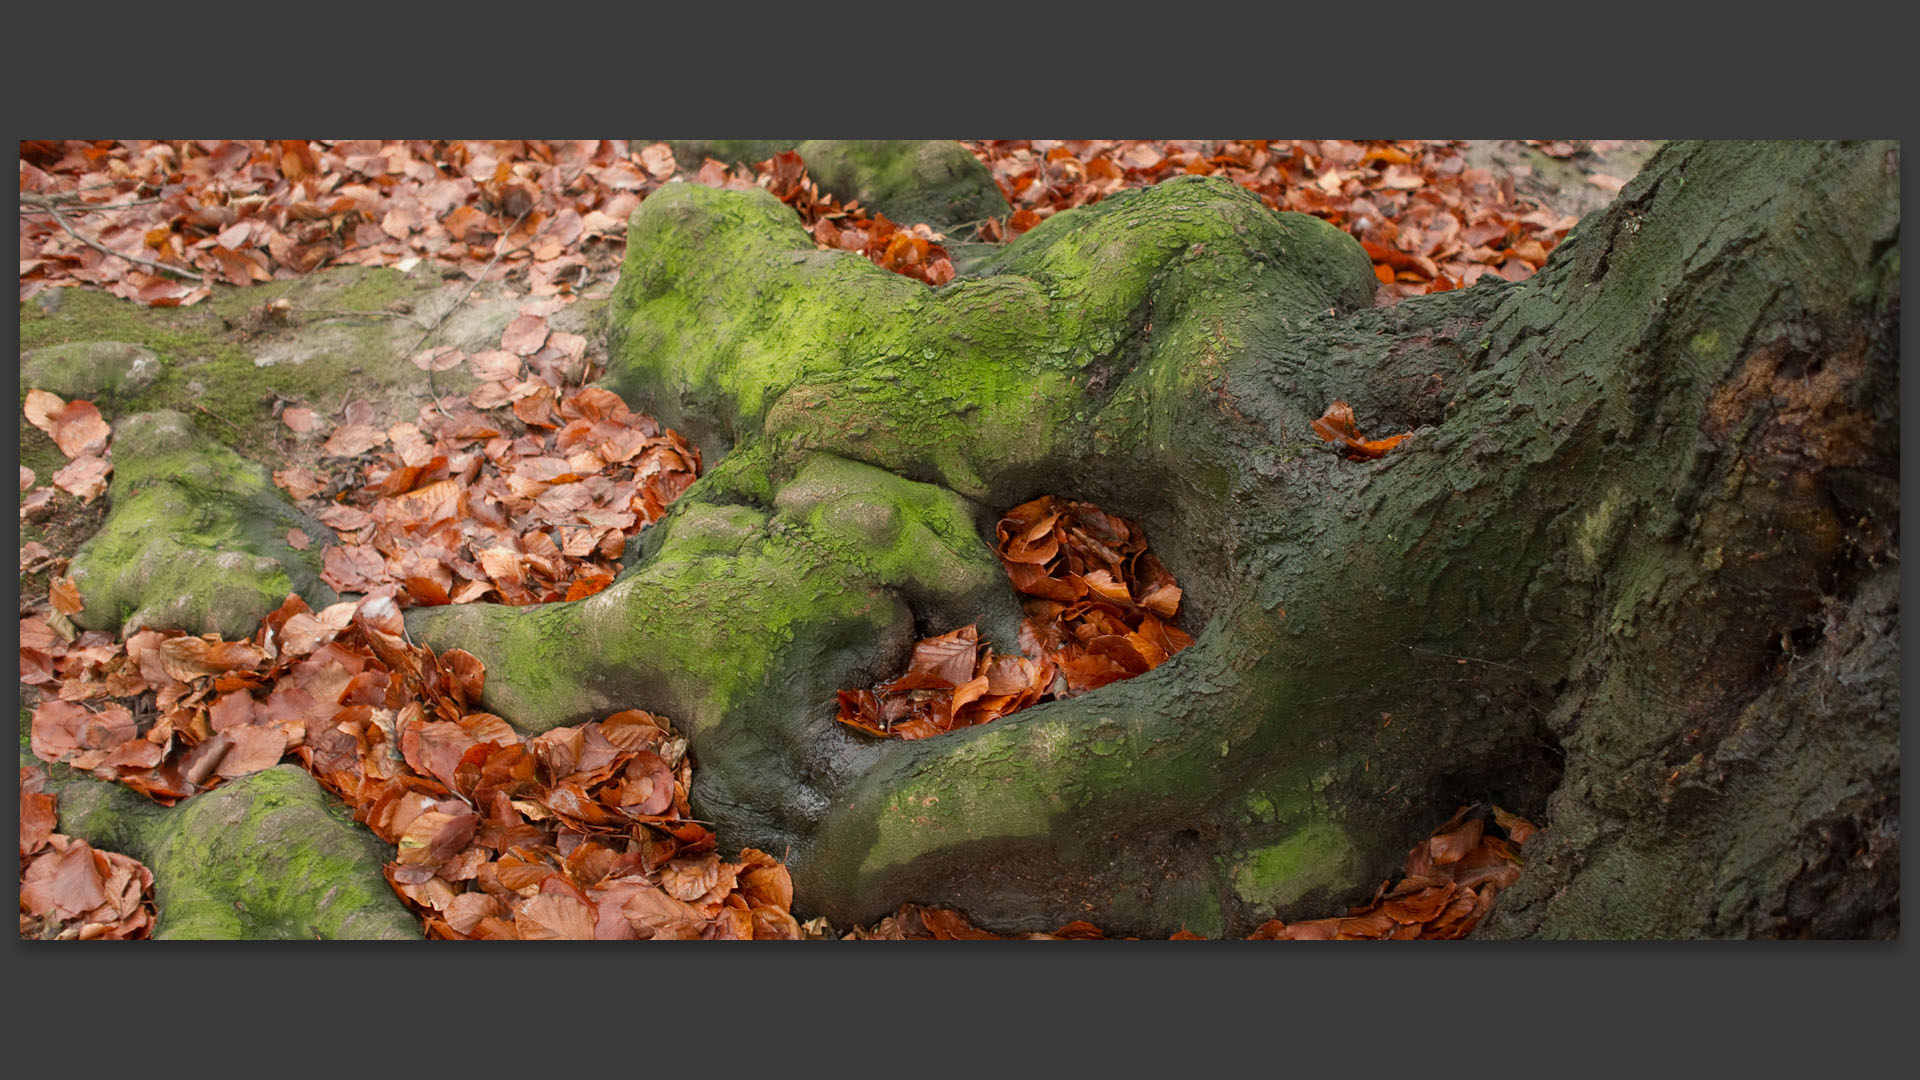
69, 195
1465, 659
218, 417
333, 313
97, 246
498, 254
46, 207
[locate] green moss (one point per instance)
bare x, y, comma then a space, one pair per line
262, 858
729, 597
220, 359
195, 539
267, 856
1317, 857
983, 381
98, 371
937, 181
690, 154
920, 540
947, 808
1706, 343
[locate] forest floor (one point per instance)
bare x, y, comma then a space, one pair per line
336, 312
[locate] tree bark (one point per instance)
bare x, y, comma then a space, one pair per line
1635, 571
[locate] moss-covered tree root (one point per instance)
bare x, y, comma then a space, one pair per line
267, 856
1647, 490
936, 181
196, 538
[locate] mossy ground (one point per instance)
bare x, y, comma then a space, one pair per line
225, 361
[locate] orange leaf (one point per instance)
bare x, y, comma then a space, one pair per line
65, 596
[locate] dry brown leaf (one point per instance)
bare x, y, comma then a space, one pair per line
524, 335
43, 410
84, 476
79, 430
352, 440
64, 884
65, 596
300, 482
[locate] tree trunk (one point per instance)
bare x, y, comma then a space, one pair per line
1636, 571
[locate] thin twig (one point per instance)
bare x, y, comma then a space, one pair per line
218, 417
1466, 659
47, 207
498, 254
137, 185
334, 313
97, 246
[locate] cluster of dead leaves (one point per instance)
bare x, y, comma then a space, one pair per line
952, 681
1450, 882
913, 251
1100, 608
581, 832
157, 221
1099, 605
1429, 222
1337, 425
77, 428
524, 493
242, 211
68, 890
1449, 885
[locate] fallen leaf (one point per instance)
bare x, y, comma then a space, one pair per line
65, 596
64, 884
524, 335
352, 440
84, 476
1337, 425
43, 409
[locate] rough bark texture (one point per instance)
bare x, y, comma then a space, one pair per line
1635, 572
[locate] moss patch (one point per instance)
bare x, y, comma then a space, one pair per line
224, 362
268, 856
1318, 857
195, 540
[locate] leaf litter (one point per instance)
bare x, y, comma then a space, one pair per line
580, 832
467, 504
527, 491
69, 891
1099, 608
156, 221
1428, 221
